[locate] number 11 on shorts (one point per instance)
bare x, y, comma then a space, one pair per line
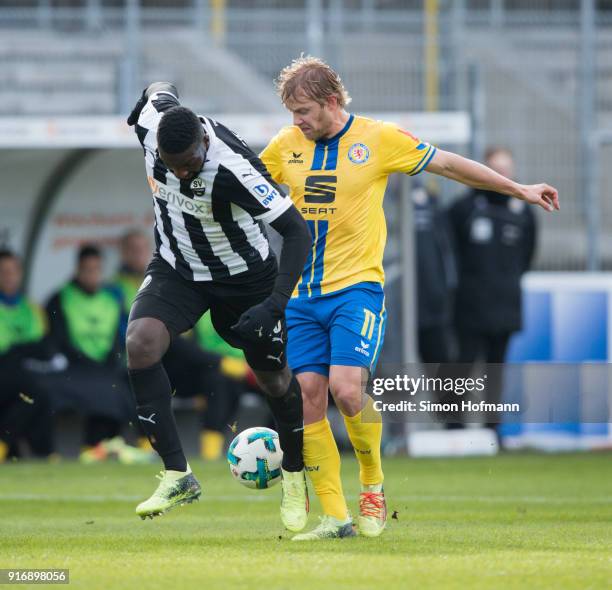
368, 324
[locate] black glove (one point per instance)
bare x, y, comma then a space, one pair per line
264, 323
144, 97
142, 101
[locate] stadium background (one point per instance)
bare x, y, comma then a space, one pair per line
535, 76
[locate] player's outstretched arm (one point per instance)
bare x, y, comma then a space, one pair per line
478, 175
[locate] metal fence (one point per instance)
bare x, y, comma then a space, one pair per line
535, 74
95, 14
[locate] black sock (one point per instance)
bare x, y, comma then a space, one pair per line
153, 395
288, 413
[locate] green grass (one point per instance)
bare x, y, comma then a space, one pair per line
514, 521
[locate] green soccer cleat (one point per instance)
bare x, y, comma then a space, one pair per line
329, 528
372, 511
175, 488
295, 504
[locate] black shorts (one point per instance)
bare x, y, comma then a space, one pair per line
180, 303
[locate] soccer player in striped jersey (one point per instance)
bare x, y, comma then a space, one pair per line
336, 165
211, 194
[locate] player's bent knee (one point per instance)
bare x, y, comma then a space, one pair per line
314, 386
314, 395
347, 396
274, 383
146, 342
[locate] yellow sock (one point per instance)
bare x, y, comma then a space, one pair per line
365, 431
211, 445
144, 443
322, 461
4, 450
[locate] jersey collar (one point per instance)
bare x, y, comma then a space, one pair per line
338, 135
10, 300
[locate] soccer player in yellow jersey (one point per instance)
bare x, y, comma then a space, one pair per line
336, 165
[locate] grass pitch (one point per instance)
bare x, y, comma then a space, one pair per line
514, 521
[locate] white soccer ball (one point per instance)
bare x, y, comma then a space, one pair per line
255, 458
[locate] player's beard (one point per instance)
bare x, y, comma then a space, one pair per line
321, 132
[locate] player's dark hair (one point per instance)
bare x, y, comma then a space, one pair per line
7, 253
178, 130
89, 251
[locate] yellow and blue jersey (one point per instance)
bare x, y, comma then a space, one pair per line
338, 185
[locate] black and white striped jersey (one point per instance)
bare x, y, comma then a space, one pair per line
210, 228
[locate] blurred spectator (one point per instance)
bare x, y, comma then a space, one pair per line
135, 253
495, 237
25, 410
436, 274
85, 319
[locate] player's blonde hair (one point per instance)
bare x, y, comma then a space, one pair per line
313, 77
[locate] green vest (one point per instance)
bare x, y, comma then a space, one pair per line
128, 284
208, 339
20, 323
92, 320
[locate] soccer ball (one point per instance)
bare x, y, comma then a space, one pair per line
255, 458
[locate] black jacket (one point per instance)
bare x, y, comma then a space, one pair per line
495, 242
436, 271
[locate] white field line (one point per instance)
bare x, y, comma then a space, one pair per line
263, 497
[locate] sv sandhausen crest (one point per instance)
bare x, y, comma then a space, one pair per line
198, 187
